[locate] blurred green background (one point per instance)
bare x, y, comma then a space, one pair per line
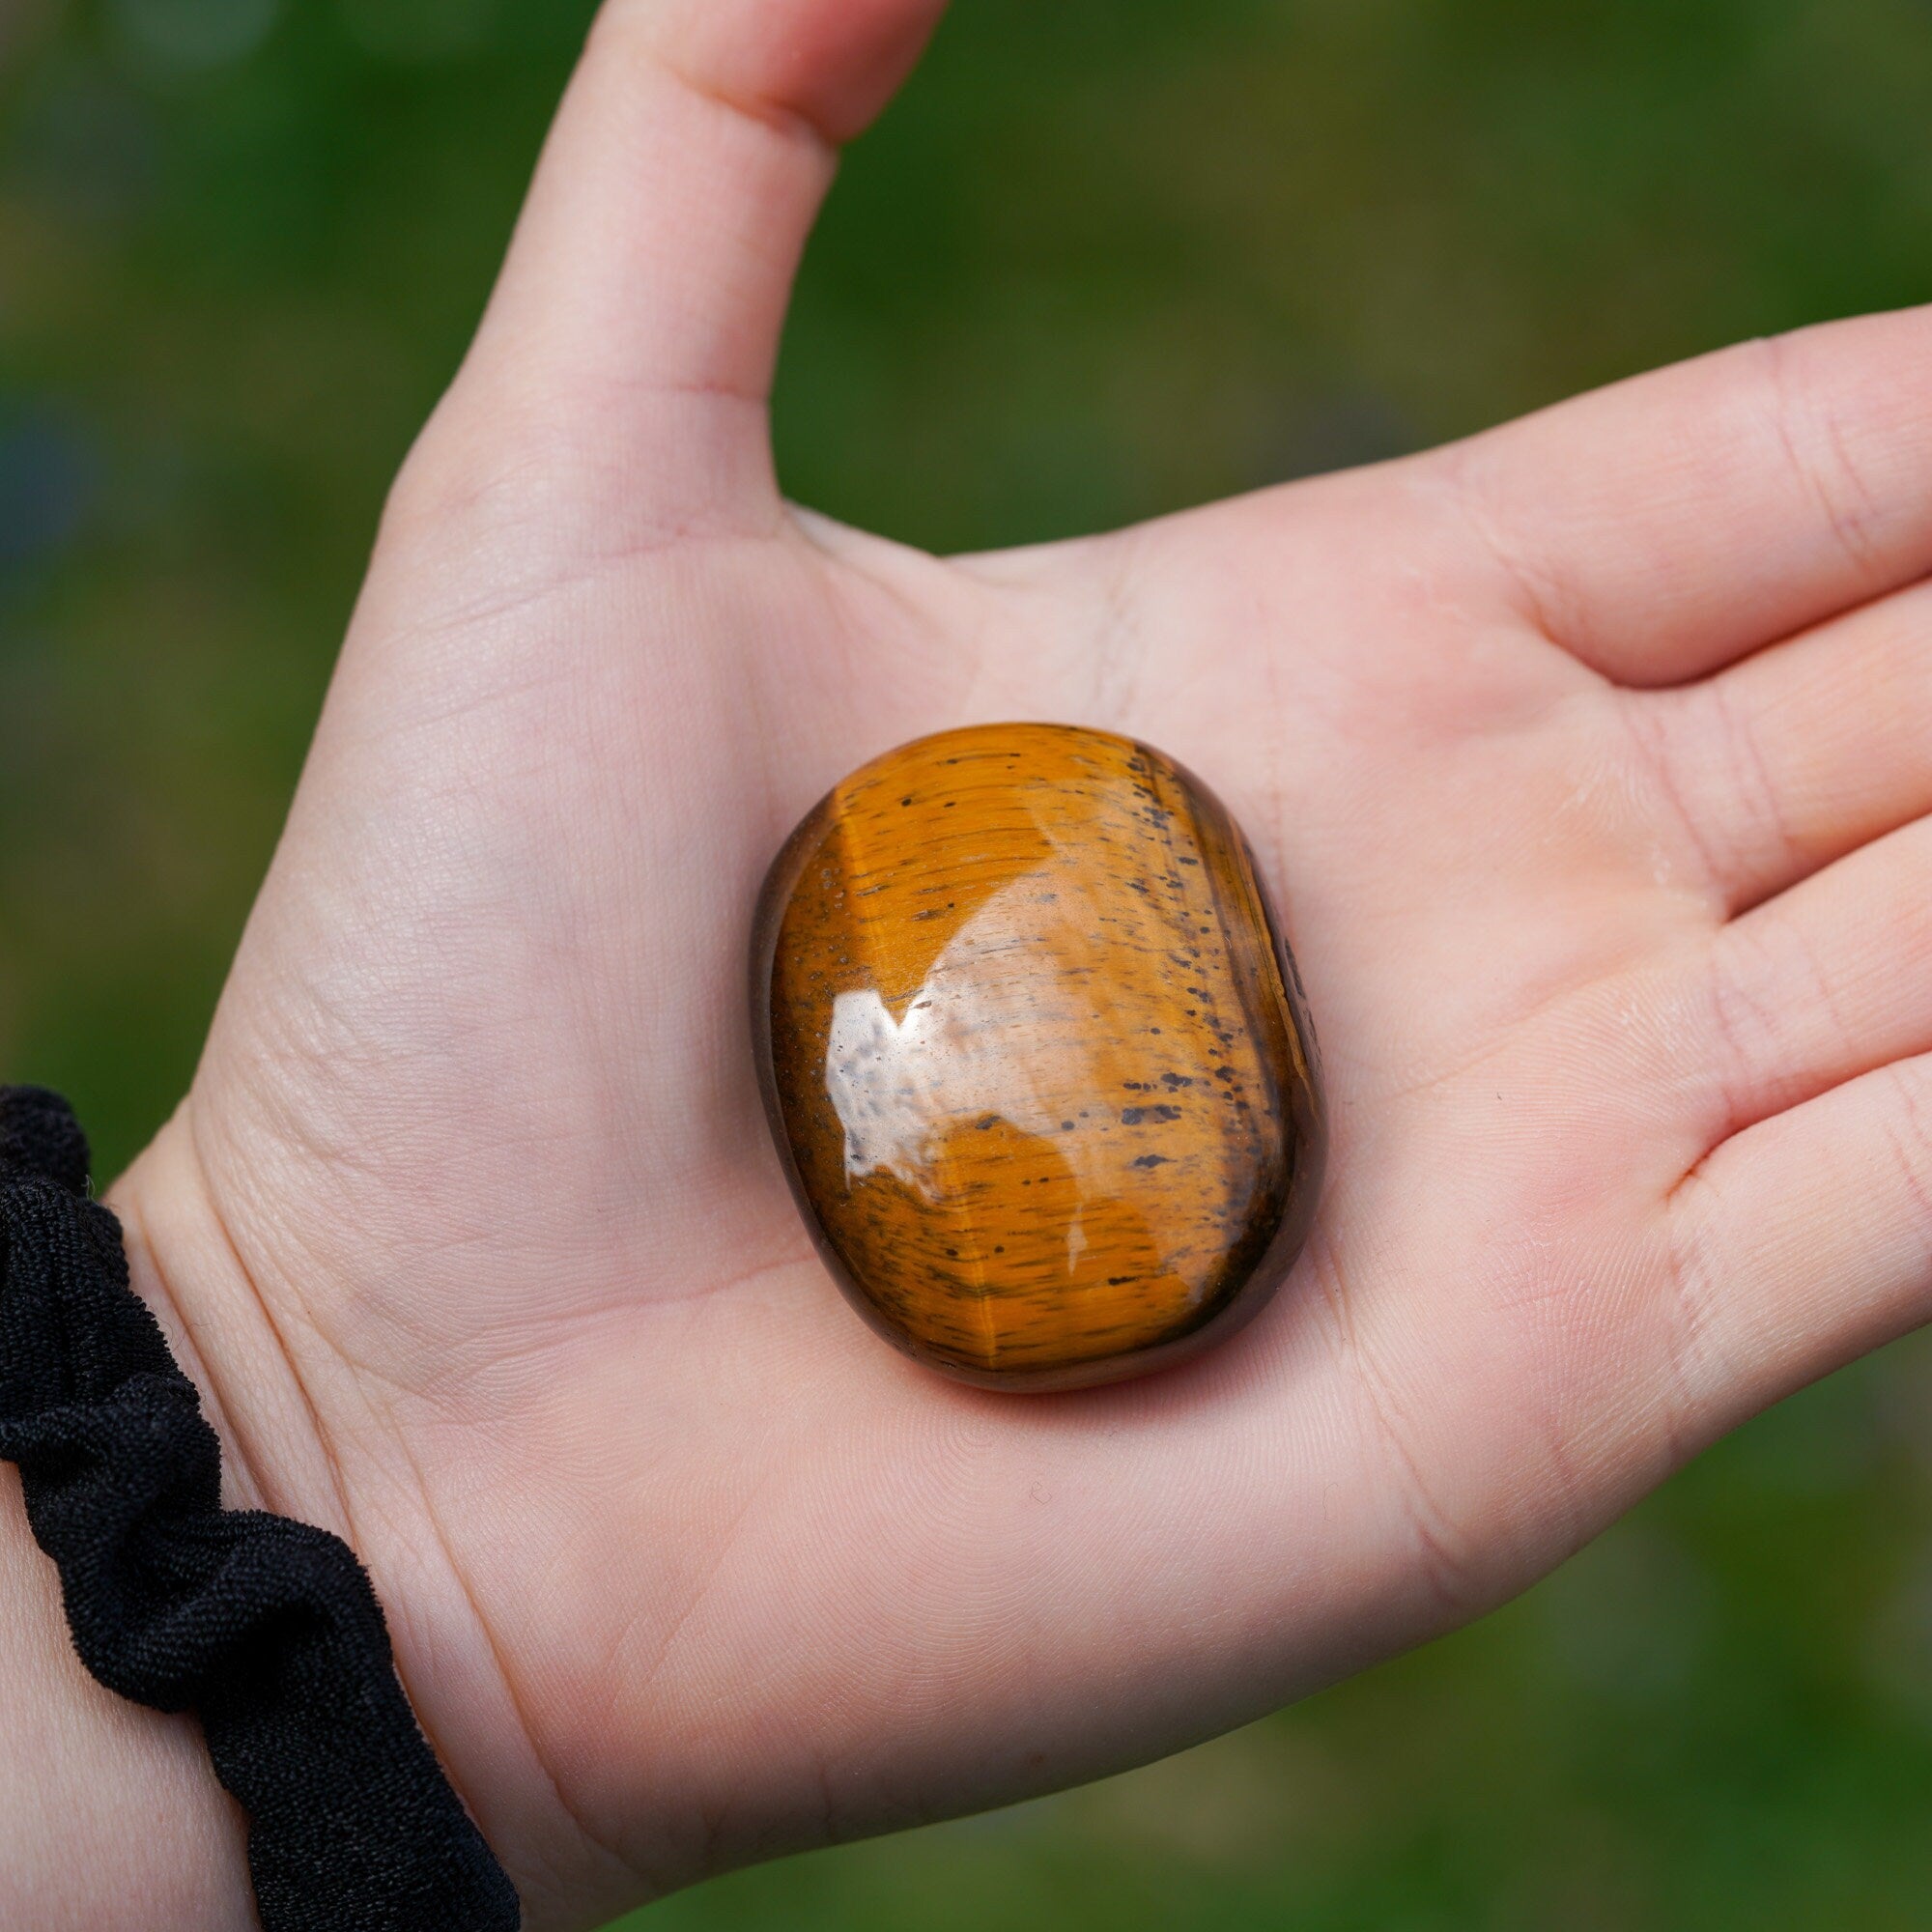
1106, 257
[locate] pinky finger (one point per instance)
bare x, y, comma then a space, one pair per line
1804, 1242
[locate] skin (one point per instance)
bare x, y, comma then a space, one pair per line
1588, 759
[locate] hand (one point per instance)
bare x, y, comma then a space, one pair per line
1614, 912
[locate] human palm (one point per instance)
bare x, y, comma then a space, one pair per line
1612, 911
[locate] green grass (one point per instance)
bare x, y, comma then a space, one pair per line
1107, 257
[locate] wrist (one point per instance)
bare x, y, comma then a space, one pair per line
267, 1629
110, 1814
307, 1436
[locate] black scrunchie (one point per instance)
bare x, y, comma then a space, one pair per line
267, 1628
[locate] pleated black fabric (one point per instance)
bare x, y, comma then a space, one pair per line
268, 1629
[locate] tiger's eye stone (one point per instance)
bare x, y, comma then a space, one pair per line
1035, 1059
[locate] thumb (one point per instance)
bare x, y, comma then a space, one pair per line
646, 285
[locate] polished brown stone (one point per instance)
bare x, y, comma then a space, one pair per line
1036, 1057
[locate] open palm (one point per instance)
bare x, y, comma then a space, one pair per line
1614, 910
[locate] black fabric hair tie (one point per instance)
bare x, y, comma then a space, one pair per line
267, 1628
